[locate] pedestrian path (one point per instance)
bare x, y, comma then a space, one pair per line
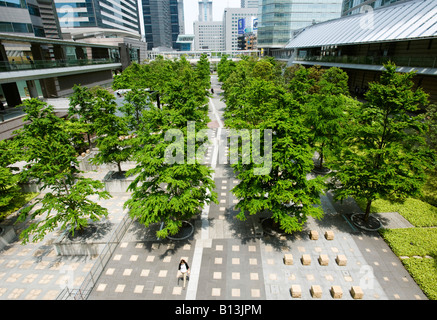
227, 258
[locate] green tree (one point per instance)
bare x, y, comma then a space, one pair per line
111, 131
384, 154
165, 191
284, 191
203, 70
431, 120
52, 163
170, 186
225, 68
326, 112
9, 188
137, 100
82, 105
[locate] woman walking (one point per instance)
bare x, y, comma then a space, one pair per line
184, 269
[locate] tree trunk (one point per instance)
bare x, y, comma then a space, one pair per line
321, 161
158, 102
367, 214
119, 166
89, 140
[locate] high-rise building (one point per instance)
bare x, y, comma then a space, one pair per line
356, 6
249, 3
47, 10
279, 18
230, 24
162, 22
105, 14
205, 10
209, 35
29, 18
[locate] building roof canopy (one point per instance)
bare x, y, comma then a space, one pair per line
404, 21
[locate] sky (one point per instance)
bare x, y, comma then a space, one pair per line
191, 11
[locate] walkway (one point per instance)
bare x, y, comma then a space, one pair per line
227, 260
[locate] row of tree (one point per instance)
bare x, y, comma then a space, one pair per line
163, 97
374, 149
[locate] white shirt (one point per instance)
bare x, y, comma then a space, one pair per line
183, 268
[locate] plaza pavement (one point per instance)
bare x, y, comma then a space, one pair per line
228, 260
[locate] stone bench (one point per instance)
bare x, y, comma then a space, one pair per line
341, 260
329, 235
288, 259
306, 259
296, 291
314, 235
316, 291
336, 292
356, 292
323, 260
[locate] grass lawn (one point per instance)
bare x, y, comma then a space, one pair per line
417, 246
418, 212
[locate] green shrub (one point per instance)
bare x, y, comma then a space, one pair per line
430, 189
412, 241
417, 212
424, 272
17, 203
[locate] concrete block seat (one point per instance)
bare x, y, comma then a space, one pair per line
306, 259
316, 291
288, 259
323, 260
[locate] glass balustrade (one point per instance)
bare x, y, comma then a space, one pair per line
419, 62
46, 64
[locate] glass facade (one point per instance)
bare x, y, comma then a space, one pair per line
162, 23
279, 18
111, 14
354, 6
13, 3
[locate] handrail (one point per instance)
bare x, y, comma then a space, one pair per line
46, 64
93, 275
425, 61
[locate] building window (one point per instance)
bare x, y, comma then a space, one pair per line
33, 10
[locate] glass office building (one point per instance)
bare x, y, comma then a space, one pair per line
162, 23
356, 6
29, 17
279, 18
107, 14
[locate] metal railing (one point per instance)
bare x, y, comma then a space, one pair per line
85, 289
195, 55
46, 64
421, 62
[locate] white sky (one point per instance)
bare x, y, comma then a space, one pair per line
191, 11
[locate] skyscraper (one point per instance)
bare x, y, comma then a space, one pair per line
105, 14
30, 18
230, 23
279, 18
208, 35
162, 22
249, 3
205, 10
